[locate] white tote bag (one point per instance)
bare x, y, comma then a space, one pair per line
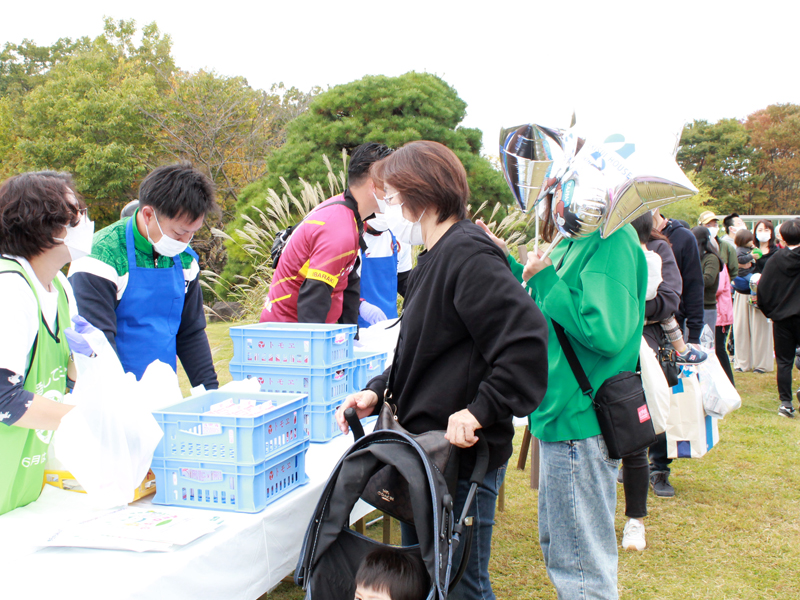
656, 389
690, 433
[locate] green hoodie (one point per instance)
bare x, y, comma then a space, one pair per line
598, 297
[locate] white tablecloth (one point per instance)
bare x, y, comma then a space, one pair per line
243, 559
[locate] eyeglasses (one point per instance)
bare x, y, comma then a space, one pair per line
388, 197
80, 215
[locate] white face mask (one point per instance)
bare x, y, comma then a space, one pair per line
713, 231
78, 239
378, 222
166, 246
403, 229
763, 236
381, 203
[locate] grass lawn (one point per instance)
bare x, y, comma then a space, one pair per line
732, 531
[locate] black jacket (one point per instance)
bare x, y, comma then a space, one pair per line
684, 247
470, 338
779, 286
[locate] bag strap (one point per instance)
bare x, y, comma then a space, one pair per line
573, 361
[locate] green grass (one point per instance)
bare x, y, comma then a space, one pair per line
732, 531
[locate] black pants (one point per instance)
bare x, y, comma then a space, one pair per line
658, 454
786, 335
722, 354
636, 483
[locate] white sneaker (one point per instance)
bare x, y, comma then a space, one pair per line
633, 535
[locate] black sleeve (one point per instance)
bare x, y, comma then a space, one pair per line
192, 341
402, 283
765, 291
668, 296
13, 398
97, 303
351, 299
692, 298
509, 345
313, 301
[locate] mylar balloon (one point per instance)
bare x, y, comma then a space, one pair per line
580, 202
529, 154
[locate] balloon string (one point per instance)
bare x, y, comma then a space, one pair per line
552, 245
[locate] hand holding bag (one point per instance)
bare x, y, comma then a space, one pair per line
620, 405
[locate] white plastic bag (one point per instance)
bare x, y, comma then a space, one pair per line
656, 389
107, 441
688, 433
719, 395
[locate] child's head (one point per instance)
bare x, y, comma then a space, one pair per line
390, 574
744, 238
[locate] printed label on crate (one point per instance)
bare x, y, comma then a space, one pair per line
340, 338
277, 471
202, 475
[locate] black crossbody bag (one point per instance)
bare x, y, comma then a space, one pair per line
620, 404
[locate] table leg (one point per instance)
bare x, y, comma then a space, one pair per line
359, 525
387, 529
534, 463
523, 451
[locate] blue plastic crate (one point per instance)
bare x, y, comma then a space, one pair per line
241, 488
191, 435
366, 365
293, 344
323, 385
322, 421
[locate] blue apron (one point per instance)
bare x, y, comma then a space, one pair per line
149, 314
379, 282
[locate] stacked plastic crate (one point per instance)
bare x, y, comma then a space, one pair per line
306, 358
231, 451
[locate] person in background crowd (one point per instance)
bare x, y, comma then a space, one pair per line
316, 280
469, 337
725, 249
779, 300
745, 246
711, 264
385, 266
690, 312
141, 283
778, 239
43, 226
732, 224
663, 296
753, 333
724, 322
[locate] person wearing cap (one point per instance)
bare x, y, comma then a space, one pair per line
141, 283
727, 250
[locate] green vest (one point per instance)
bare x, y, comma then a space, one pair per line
24, 451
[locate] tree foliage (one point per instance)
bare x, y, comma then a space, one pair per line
388, 110
775, 131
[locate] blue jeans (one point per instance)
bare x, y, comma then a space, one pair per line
475, 584
577, 501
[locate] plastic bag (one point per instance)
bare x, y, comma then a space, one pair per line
107, 441
380, 337
707, 339
656, 390
719, 395
690, 433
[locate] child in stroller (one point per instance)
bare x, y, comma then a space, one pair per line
386, 574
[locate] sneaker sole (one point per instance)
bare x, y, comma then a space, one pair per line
633, 548
785, 414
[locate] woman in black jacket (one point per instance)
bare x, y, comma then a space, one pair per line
472, 350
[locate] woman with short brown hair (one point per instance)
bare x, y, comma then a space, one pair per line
469, 336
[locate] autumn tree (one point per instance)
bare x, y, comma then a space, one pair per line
775, 131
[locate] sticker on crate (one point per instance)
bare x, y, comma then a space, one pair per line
201, 475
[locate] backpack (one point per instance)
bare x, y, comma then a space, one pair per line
282, 238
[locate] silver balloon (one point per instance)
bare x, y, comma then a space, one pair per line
580, 202
639, 195
528, 155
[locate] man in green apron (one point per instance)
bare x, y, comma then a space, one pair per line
42, 227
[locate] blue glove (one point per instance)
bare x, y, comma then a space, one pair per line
78, 343
371, 313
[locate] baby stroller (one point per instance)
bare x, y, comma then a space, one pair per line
332, 552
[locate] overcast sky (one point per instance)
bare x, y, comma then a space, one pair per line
513, 62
